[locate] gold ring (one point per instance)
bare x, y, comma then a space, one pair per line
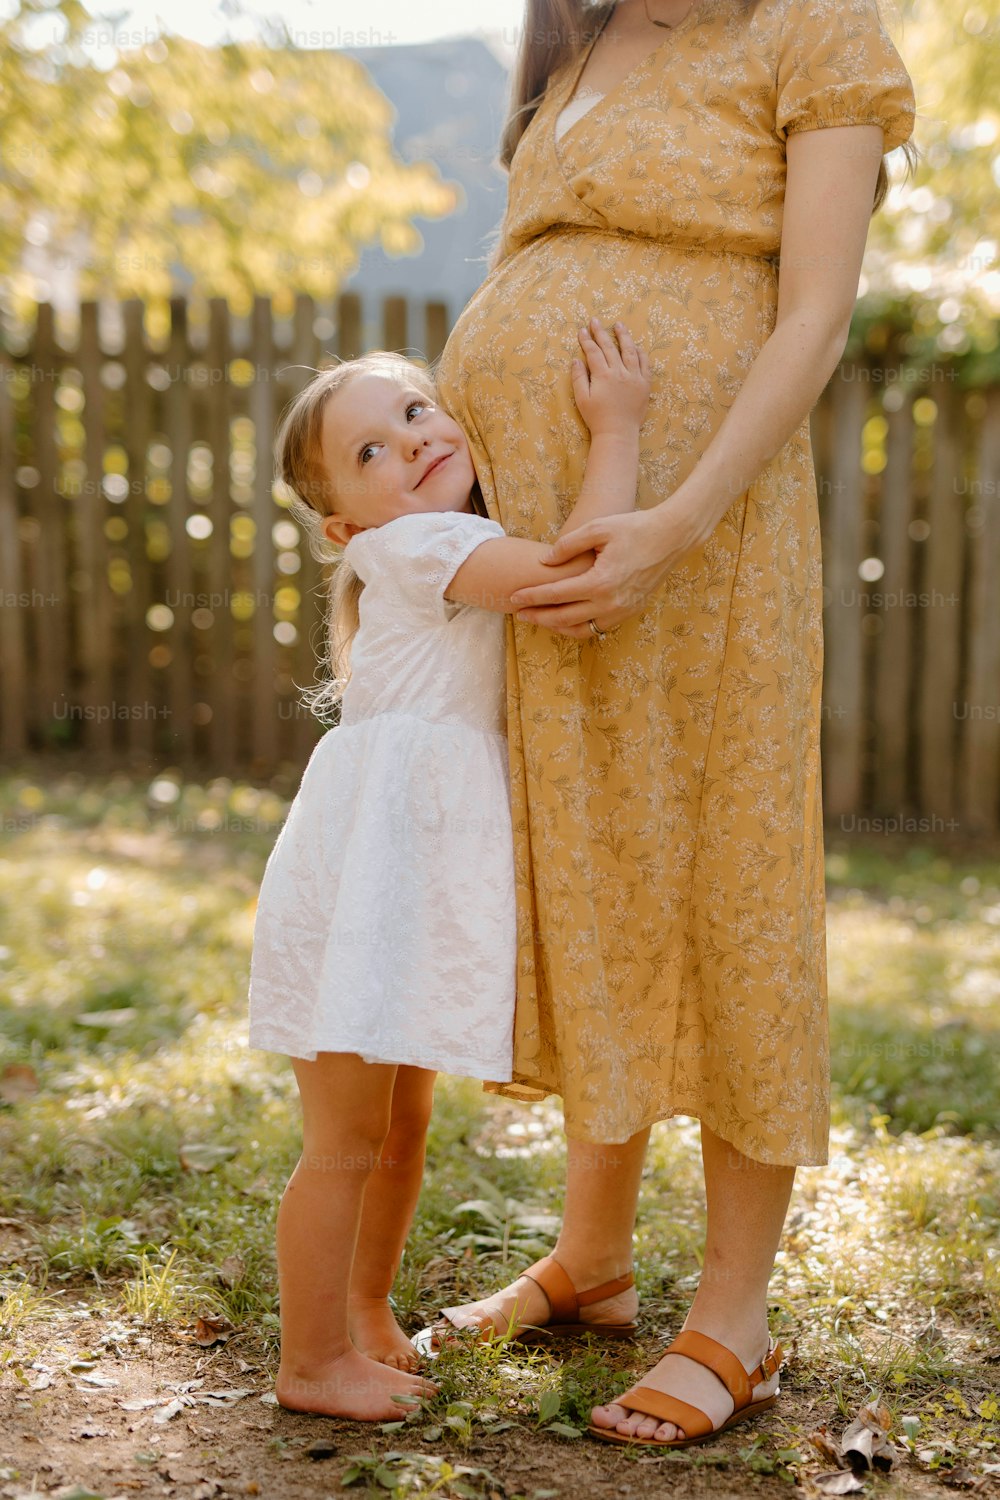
595, 632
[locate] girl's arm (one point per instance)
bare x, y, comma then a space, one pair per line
491, 574
612, 392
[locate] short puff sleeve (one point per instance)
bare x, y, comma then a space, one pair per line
415, 557
838, 66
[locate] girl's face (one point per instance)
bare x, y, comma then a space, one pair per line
391, 451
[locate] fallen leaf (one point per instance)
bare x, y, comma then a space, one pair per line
209, 1331
826, 1445
203, 1157
141, 1404
961, 1479
222, 1398
90, 1431
845, 1483
269, 1399
166, 1413
865, 1443
232, 1270
42, 1382
321, 1448
102, 1382
74, 1492
17, 1081
108, 1019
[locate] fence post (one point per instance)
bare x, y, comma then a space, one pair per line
51, 626
137, 422
942, 585
980, 758
93, 600
180, 679
893, 658
264, 723
842, 631
13, 707
222, 726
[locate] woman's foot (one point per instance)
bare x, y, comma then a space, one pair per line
675, 1375
525, 1300
375, 1333
352, 1386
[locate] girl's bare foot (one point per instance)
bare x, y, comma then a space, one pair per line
525, 1300
352, 1386
375, 1332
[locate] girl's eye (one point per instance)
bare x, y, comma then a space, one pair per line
416, 406
368, 448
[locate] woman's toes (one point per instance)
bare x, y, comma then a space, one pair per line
608, 1416
646, 1428
668, 1433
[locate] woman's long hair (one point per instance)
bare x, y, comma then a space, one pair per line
556, 31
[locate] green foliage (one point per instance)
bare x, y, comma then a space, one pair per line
230, 170
931, 289
95, 1135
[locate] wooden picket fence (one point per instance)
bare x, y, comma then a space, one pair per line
160, 610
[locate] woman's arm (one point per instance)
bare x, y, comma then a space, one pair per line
830, 187
497, 568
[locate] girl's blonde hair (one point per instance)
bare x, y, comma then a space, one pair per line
555, 31
313, 497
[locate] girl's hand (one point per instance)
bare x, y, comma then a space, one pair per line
612, 382
635, 552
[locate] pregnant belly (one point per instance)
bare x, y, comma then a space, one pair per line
702, 316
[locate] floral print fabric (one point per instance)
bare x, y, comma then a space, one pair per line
666, 780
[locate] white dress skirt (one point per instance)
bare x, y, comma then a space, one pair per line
386, 920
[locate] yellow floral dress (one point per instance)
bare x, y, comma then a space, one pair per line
666, 780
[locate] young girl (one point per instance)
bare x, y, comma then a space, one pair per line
384, 940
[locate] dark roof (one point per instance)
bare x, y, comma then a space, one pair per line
449, 97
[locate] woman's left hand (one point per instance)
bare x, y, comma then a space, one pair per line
635, 552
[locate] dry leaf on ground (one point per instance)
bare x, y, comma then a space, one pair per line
865, 1443
826, 1446
17, 1081
209, 1331
232, 1270
844, 1483
201, 1156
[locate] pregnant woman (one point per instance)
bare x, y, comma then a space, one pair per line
706, 173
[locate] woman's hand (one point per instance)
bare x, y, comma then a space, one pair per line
635, 552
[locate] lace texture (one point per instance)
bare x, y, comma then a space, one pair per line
385, 924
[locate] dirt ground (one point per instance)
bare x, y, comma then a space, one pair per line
91, 1407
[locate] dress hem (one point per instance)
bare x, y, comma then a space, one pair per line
525, 1093
456, 1067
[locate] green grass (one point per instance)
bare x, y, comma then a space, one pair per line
126, 928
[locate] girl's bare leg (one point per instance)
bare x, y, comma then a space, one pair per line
390, 1201
595, 1242
747, 1203
346, 1106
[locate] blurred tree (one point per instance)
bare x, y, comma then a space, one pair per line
933, 259
229, 170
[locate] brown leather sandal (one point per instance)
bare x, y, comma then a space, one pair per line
698, 1427
564, 1310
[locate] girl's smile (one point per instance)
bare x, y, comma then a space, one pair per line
383, 438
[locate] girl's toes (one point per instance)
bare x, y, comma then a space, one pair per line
667, 1432
647, 1428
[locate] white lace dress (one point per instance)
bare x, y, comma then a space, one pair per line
386, 920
